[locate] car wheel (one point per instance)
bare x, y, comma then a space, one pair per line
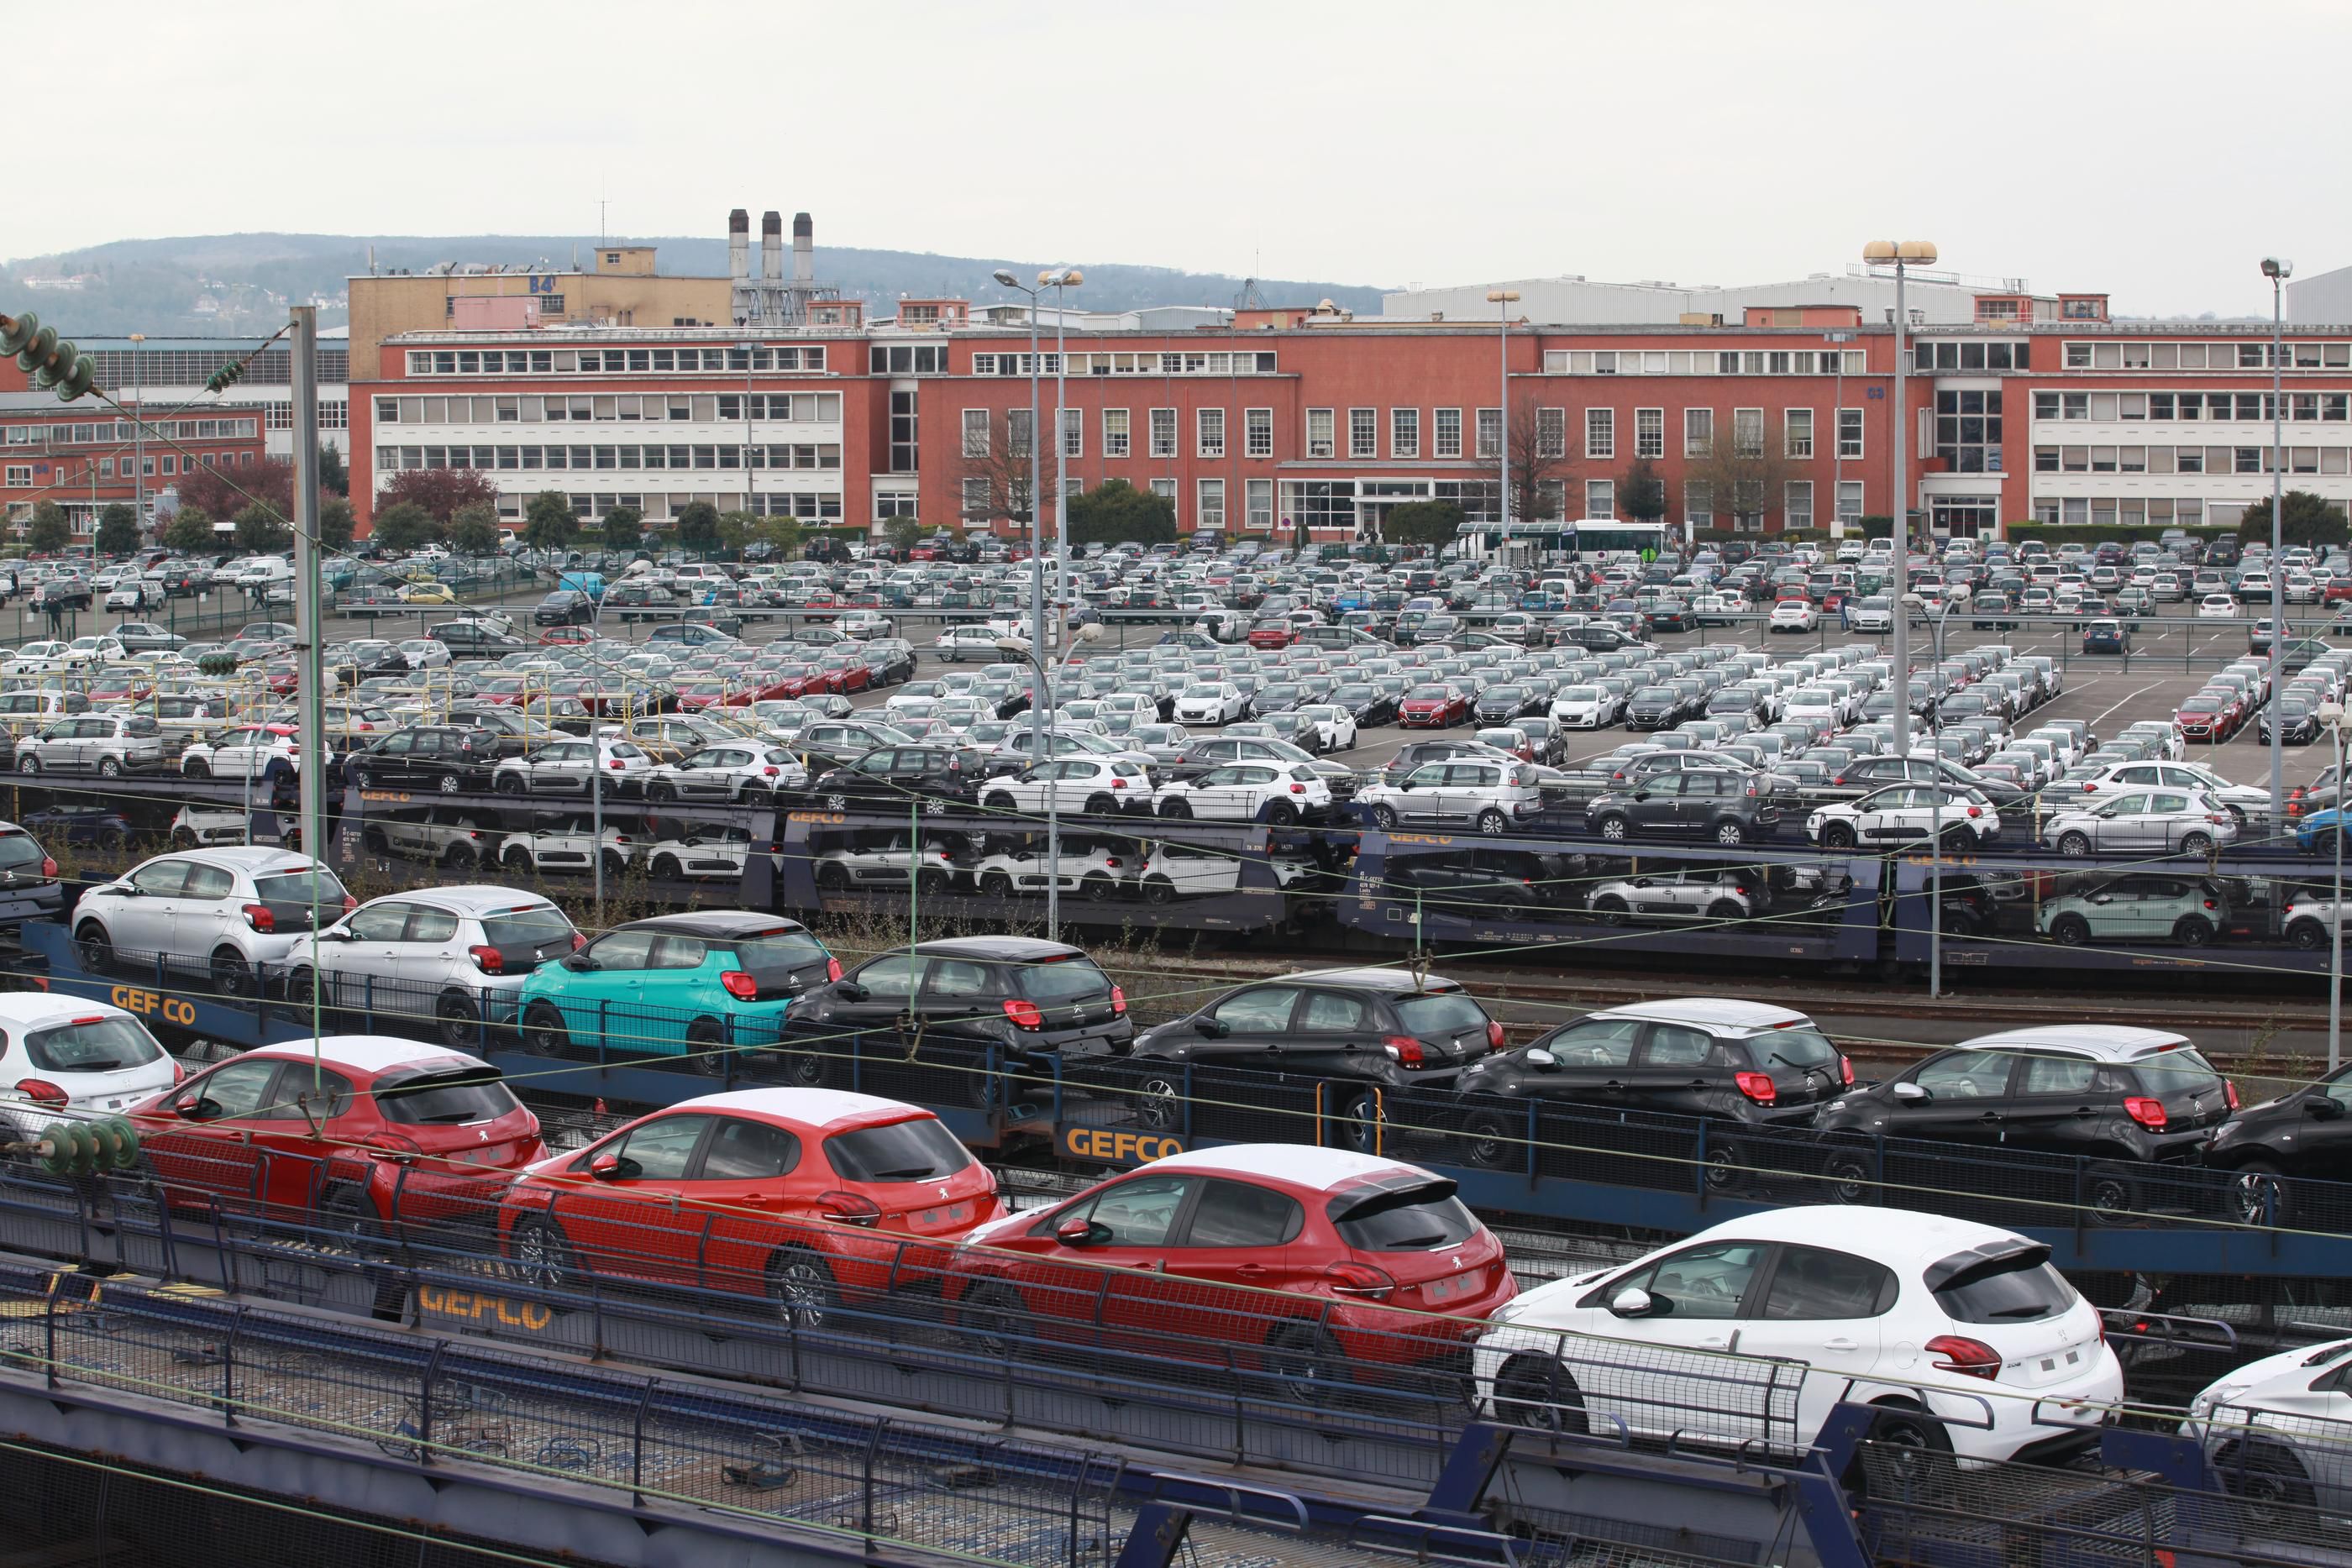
1101, 805
1915, 1441
1159, 1105
2111, 1192
1305, 1364
517, 860
360, 777
182, 839
667, 867
1610, 909
543, 1032
1730, 834
801, 1284
2073, 844
2256, 1195
1177, 809
110, 767
1098, 887
1384, 818
836, 801
2307, 935
1491, 1142
931, 880
300, 985
461, 857
1537, 1393
2070, 930
195, 768
997, 1322
1282, 813
831, 877
2197, 843
460, 1020
2192, 931
539, 1256
998, 800
1493, 823
1359, 1116
511, 784
996, 884
448, 783
97, 948
661, 789
1727, 909
28, 763
1837, 836
232, 976
1846, 1174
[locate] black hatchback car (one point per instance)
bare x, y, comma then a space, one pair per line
447, 757
894, 775
2305, 1134
1033, 1000
2120, 1096
1709, 803
1744, 1062
1365, 1029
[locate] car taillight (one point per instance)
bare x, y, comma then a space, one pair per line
2230, 1093
848, 1209
2211, 905
1117, 1001
489, 960
1972, 1358
260, 918
1494, 1035
1360, 1280
1403, 1048
739, 985
1756, 1086
1025, 1015
2148, 1113
40, 1092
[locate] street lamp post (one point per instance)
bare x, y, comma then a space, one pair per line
1837, 440
1058, 279
1036, 538
1505, 298
1935, 814
138, 436
1900, 255
1035, 656
2331, 715
2278, 270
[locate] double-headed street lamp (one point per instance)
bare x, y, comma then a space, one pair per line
1043, 730
2278, 270
2331, 715
1506, 298
1059, 279
1037, 542
1901, 254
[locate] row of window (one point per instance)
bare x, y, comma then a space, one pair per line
162, 465
623, 458
1147, 362
2245, 356
2188, 459
193, 367
2208, 407
820, 505
699, 408
2141, 511
1973, 355
334, 413
85, 433
609, 362
1705, 361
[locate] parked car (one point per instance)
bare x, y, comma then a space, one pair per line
1248, 792
1348, 1258
455, 955
2305, 1133
1912, 1313
2145, 907
108, 745
447, 758
784, 1193
2274, 1430
1495, 793
1907, 813
2165, 821
226, 912
1701, 802
67, 1058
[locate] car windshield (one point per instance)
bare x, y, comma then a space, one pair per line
1442, 1014
920, 1149
2019, 1287
1203, 691
2180, 1072
448, 1097
1063, 980
772, 955
1427, 694
91, 1045
1417, 1219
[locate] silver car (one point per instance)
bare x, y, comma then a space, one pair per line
747, 771
563, 768
107, 744
1713, 896
227, 911
457, 955
2165, 821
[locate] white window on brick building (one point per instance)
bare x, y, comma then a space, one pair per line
1447, 433
1601, 433
1210, 423
1319, 438
1404, 433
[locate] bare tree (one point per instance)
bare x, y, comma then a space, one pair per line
1742, 475
992, 473
1540, 467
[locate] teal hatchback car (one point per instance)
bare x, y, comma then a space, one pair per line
701, 985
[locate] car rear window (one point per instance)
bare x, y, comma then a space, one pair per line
290, 895
920, 1149
2018, 1288
1418, 1219
1446, 1013
772, 955
449, 1098
2177, 1072
528, 931
20, 855
1063, 980
1798, 1048
91, 1045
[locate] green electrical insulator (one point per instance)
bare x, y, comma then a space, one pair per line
76, 379
227, 376
17, 334
35, 352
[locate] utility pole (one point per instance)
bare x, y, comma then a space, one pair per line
310, 634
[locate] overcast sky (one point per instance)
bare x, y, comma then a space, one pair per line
2082, 144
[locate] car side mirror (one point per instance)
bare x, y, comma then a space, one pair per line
335, 934
581, 964
2103, 898
192, 1108
850, 991
1079, 1231
605, 1167
1539, 1057
1632, 1302
1215, 1029
2323, 1108
1911, 1093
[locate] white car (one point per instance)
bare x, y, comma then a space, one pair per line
2278, 1430
197, 826
702, 855
1211, 702
37, 659
1794, 615
458, 956
245, 751
1097, 870
957, 644
1335, 726
561, 841
1875, 614
1100, 785
1962, 1335
1583, 707
2246, 802
2217, 607
225, 911
66, 1058
1168, 872
1906, 814
1248, 792
133, 595
562, 767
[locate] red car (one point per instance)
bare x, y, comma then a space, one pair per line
560, 636
2204, 718
845, 673
787, 1193
695, 695
378, 1131
1436, 707
1273, 635
1360, 1268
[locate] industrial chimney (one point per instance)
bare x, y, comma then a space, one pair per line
771, 246
803, 248
739, 245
